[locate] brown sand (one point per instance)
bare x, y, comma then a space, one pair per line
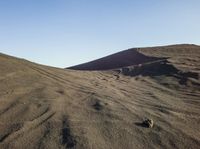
46, 107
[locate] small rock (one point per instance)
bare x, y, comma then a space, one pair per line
148, 123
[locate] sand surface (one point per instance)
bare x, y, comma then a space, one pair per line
47, 107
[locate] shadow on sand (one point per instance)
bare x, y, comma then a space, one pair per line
158, 68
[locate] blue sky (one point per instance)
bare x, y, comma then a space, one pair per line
63, 33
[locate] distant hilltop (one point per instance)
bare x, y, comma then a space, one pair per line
133, 56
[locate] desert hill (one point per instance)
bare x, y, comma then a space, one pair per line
122, 59
47, 107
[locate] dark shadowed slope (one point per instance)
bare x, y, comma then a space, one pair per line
137, 56
122, 59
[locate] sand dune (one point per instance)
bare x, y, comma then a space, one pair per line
47, 107
122, 59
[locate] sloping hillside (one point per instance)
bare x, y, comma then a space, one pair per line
122, 59
46, 107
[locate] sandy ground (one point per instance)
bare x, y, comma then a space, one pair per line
46, 107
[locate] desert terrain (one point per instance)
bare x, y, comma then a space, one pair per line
102, 104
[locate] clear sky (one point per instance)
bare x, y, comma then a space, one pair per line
67, 32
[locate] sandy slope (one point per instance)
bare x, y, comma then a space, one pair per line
121, 59
46, 107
